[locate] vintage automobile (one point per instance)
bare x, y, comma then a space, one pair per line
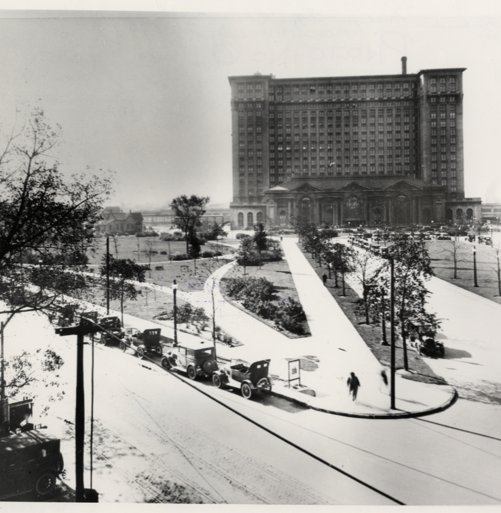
430, 347
196, 358
248, 378
143, 342
113, 331
29, 462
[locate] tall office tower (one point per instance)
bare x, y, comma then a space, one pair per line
349, 150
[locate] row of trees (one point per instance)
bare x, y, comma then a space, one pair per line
409, 264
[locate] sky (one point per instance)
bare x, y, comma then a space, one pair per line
145, 93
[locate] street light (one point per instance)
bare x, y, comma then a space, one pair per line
174, 291
475, 266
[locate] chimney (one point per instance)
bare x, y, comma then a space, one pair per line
404, 65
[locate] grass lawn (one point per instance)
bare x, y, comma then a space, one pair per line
443, 265
372, 335
189, 275
279, 274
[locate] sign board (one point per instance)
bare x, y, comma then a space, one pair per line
294, 371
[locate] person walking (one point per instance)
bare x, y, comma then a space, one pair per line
353, 385
383, 386
324, 279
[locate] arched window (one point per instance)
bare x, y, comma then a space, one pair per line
469, 214
459, 214
250, 219
259, 217
282, 216
240, 220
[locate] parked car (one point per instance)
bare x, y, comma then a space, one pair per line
29, 461
113, 331
248, 378
143, 342
196, 358
431, 347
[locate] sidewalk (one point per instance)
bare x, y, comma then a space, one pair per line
331, 353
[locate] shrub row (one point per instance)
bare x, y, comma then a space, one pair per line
257, 296
185, 256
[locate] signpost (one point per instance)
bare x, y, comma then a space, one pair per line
294, 372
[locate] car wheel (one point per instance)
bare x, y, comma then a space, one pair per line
123, 346
246, 390
192, 373
166, 364
217, 381
264, 385
140, 352
45, 483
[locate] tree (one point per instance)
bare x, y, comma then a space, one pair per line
188, 212
454, 249
46, 218
260, 239
363, 268
245, 253
412, 267
123, 272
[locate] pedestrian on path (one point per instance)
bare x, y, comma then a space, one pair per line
383, 387
353, 384
324, 279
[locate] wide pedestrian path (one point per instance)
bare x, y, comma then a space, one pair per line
333, 351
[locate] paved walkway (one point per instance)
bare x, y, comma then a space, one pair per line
332, 352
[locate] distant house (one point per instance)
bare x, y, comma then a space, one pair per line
116, 221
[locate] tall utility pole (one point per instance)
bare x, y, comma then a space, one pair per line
107, 275
85, 327
392, 329
4, 409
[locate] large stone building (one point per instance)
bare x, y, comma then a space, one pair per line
349, 150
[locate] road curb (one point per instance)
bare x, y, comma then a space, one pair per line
388, 415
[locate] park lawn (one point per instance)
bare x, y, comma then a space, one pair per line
276, 272
372, 335
443, 266
136, 248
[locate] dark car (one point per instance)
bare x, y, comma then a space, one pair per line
29, 461
247, 377
143, 342
112, 330
195, 357
432, 348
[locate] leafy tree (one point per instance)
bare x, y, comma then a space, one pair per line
363, 268
412, 267
246, 252
46, 219
28, 374
188, 212
123, 272
260, 239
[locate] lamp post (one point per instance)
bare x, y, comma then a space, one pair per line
174, 291
475, 266
392, 331
383, 321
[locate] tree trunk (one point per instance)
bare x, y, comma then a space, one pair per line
404, 344
335, 279
344, 287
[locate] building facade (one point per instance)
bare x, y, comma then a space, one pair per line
114, 220
361, 149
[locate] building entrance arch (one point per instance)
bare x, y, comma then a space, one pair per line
402, 210
306, 208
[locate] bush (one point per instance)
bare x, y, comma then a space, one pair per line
163, 252
254, 289
146, 234
242, 236
290, 315
179, 256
